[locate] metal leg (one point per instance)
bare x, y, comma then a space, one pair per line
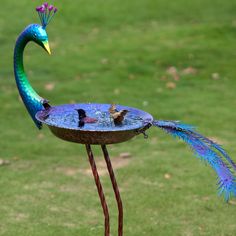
99, 188
116, 190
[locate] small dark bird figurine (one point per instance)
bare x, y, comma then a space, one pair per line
83, 118
118, 116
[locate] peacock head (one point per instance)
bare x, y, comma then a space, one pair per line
38, 34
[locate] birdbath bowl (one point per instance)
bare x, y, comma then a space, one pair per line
64, 123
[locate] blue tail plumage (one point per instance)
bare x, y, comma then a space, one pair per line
206, 150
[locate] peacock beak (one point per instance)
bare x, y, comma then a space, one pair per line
46, 47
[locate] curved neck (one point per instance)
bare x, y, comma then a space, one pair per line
20, 74
31, 99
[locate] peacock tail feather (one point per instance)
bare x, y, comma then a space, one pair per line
208, 151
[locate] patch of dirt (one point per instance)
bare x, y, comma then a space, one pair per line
19, 216
232, 202
215, 76
173, 72
69, 225
152, 183
4, 162
170, 85
40, 136
167, 176
54, 209
68, 171
117, 162
49, 86
69, 188
189, 71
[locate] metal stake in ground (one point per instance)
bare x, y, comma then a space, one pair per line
99, 188
116, 190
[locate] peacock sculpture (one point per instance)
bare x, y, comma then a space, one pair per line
103, 124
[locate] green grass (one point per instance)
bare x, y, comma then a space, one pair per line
119, 52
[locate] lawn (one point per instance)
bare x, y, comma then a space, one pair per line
173, 59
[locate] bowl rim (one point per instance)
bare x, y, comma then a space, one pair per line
147, 118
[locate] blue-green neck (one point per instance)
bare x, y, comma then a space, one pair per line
31, 99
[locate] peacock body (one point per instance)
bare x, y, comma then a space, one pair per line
204, 148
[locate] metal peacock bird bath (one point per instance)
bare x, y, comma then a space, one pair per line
101, 129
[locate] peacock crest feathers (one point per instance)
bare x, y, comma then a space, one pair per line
46, 13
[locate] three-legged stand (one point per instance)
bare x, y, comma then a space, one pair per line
101, 193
